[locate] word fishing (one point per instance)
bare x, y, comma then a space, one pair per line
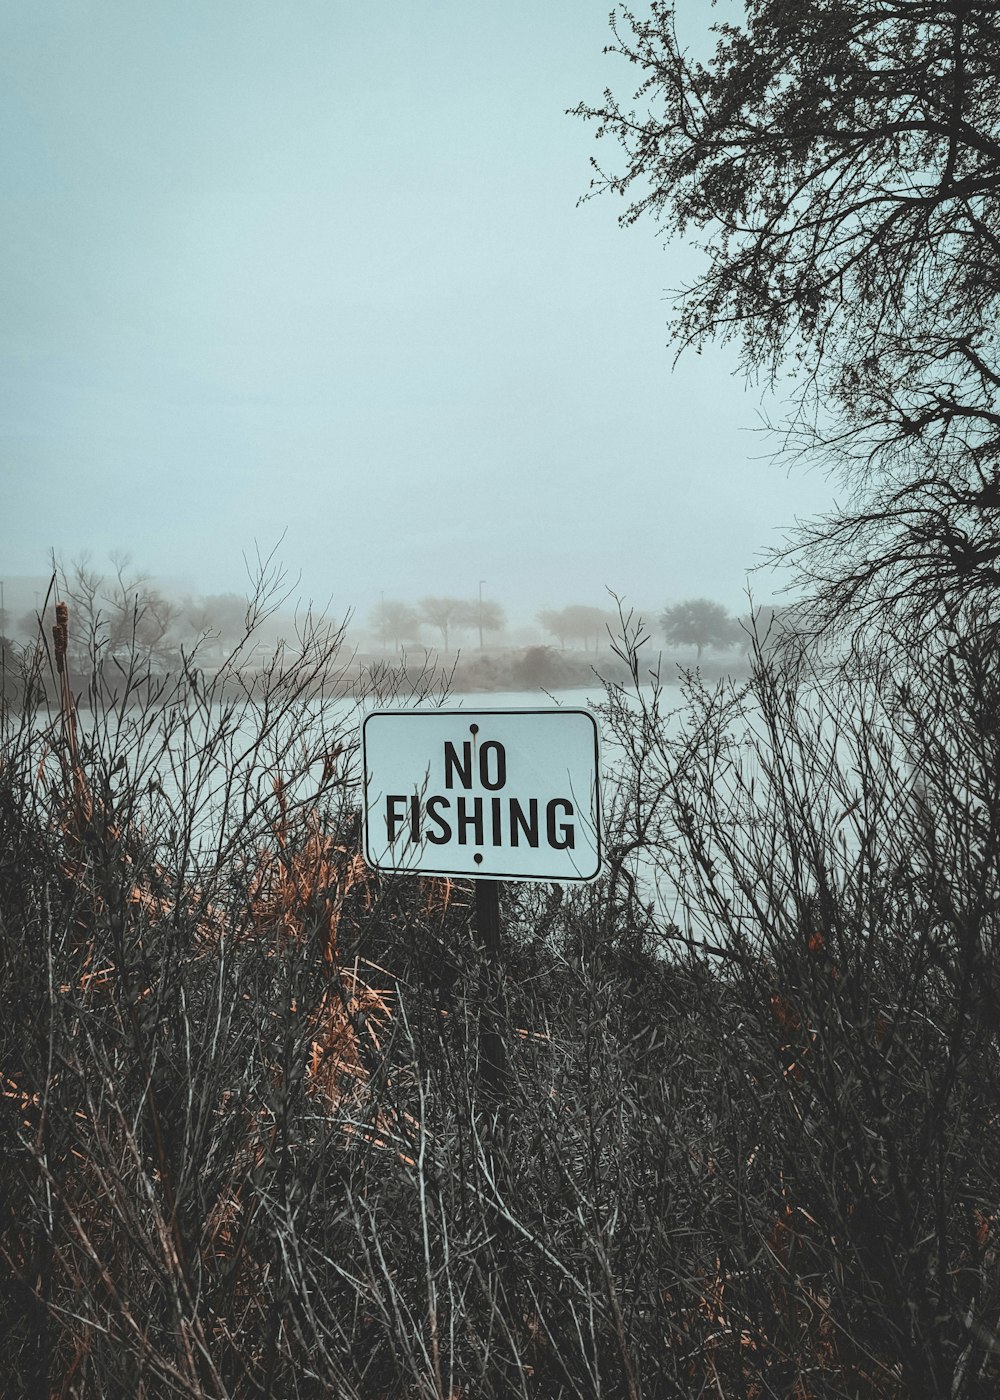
494, 821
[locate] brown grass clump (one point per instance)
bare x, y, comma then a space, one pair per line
300, 892
293, 888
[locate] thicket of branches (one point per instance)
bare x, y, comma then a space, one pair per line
840, 165
747, 1137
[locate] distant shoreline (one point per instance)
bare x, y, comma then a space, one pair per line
523, 670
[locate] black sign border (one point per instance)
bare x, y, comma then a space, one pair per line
485, 874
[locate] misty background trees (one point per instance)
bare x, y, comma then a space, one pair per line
118, 611
696, 622
578, 624
700, 623
218, 617
399, 622
121, 610
395, 622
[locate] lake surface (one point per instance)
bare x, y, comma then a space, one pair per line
189, 762
222, 777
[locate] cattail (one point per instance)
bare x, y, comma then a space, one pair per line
60, 635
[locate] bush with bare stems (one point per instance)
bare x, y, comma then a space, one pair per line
748, 1138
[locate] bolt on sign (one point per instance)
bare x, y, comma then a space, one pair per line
495, 794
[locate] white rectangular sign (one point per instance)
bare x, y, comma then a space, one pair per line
499, 794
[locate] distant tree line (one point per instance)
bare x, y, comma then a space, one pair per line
696, 622
578, 624
704, 624
396, 622
119, 611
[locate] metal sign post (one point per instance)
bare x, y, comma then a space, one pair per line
486, 795
492, 1055
488, 915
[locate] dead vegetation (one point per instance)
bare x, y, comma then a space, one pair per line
746, 1147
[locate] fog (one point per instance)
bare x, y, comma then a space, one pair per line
315, 278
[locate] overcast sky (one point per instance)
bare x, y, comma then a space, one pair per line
318, 268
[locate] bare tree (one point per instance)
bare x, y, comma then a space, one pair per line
578, 623
841, 164
139, 616
121, 612
444, 614
221, 618
84, 586
481, 615
588, 624
554, 622
396, 622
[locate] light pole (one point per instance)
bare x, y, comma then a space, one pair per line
481, 582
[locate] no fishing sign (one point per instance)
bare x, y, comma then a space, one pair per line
488, 794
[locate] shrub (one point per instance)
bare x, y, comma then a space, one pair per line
746, 1136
